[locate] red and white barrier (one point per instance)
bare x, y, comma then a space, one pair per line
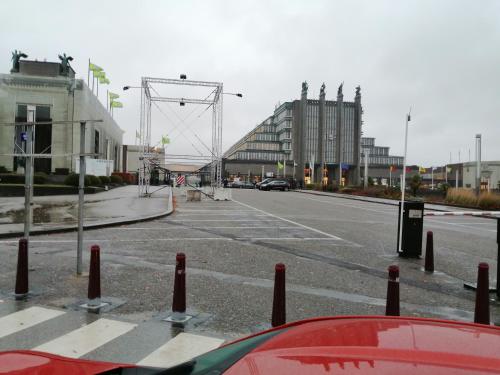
463, 213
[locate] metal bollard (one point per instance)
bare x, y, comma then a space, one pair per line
94, 290
392, 302
179, 298
429, 252
21, 289
279, 299
482, 309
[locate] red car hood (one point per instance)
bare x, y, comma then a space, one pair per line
22, 362
376, 345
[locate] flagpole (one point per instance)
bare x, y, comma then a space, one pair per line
390, 176
97, 88
93, 79
88, 74
403, 187
107, 96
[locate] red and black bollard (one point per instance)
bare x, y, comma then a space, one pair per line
279, 301
429, 252
179, 300
21, 289
392, 303
482, 310
94, 291
498, 259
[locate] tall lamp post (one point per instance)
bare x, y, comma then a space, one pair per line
403, 183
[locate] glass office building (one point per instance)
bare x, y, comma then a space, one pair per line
318, 140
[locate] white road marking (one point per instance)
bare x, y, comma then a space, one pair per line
180, 349
231, 220
83, 340
24, 319
193, 227
291, 221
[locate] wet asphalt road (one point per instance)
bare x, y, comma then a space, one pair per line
336, 251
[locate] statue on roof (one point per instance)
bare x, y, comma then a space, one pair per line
64, 69
16, 56
304, 86
358, 90
322, 90
339, 91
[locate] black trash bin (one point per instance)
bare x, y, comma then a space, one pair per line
413, 226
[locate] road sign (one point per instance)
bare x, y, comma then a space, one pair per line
24, 136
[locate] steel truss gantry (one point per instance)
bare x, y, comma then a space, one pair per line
147, 98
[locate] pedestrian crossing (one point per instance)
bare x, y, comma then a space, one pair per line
89, 335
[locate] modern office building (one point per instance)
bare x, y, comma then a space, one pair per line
57, 97
310, 136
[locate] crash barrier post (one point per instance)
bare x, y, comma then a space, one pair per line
412, 229
392, 302
429, 252
21, 289
94, 291
179, 299
279, 300
482, 310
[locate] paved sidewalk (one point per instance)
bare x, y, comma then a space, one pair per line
391, 202
59, 212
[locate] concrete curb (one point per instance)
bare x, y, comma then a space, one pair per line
98, 225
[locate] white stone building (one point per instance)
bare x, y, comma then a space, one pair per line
57, 97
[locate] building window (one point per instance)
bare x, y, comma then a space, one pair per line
96, 143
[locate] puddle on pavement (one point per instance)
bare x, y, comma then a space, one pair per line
41, 215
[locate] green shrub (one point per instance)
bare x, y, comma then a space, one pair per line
3, 169
415, 183
12, 178
104, 180
116, 179
73, 179
370, 181
94, 180
309, 186
40, 178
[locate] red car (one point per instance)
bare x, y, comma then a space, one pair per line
350, 345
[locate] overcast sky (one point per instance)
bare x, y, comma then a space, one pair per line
442, 58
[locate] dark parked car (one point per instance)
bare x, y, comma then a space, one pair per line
242, 185
275, 185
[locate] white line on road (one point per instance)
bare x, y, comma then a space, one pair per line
191, 228
84, 340
98, 240
180, 349
232, 220
291, 221
27, 318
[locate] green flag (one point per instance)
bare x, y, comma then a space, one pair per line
165, 140
113, 96
99, 74
94, 68
116, 104
104, 81
280, 166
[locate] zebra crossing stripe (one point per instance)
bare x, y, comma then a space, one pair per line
87, 338
181, 348
26, 318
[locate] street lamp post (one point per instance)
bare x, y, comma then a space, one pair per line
403, 183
